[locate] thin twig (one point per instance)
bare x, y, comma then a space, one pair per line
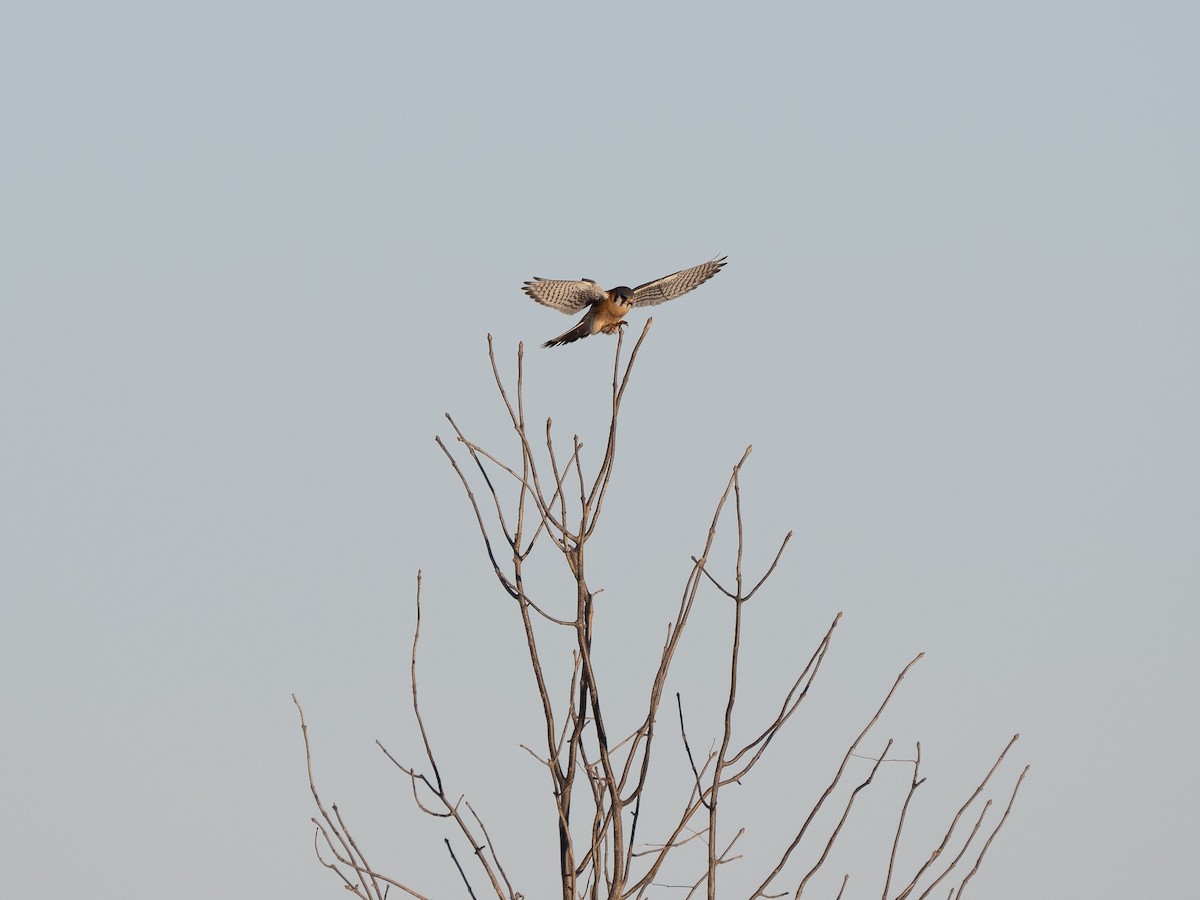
458, 865
760, 891
995, 831
328, 824
688, 747
842, 821
954, 822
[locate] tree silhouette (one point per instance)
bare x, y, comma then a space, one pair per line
600, 781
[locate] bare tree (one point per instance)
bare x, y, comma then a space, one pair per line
599, 780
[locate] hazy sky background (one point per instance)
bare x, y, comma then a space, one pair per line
250, 255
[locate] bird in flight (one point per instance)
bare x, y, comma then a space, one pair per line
606, 309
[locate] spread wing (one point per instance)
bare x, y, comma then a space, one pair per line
661, 290
566, 296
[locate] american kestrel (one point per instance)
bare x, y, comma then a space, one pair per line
607, 309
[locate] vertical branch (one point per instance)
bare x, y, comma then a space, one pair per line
437, 776
436, 786
644, 737
595, 500
727, 730
916, 783
526, 463
726, 735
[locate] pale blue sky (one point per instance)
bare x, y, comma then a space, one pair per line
250, 255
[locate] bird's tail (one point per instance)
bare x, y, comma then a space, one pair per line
582, 330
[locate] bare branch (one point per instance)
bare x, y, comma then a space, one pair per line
791, 702
842, 821
760, 891
595, 500
328, 824
954, 822
688, 748
962, 850
917, 781
437, 776
995, 831
458, 866
598, 782
491, 847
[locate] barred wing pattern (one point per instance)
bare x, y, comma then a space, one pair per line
566, 296
669, 287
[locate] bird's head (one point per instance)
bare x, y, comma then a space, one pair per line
622, 295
